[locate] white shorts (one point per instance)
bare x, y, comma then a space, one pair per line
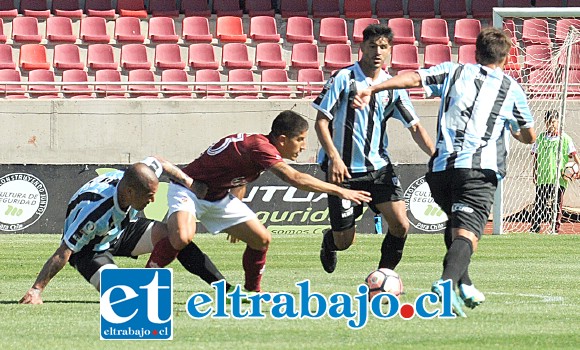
215, 216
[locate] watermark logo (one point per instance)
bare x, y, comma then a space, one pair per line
23, 200
424, 214
137, 304
312, 305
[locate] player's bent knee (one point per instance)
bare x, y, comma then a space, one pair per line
344, 239
95, 279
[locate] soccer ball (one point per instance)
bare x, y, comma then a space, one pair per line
570, 170
384, 281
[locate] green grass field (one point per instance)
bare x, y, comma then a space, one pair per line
530, 281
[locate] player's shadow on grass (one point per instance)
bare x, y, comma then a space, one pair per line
8, 302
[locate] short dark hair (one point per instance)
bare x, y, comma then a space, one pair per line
377, 30
139, 177
288, 123
551, 114
492, 46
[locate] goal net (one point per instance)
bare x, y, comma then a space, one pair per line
545, 60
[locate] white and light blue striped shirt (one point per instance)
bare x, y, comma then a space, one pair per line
478, 106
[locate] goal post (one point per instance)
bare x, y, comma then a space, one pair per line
546, 62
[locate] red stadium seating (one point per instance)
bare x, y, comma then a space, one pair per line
574, 57
76, 91
359, 26
131, 8
513, 63
101, 56
162, 30
195, 8
389, 8
229, 29
7, 9
293, 8
94, 30
403, 31
235, 55
510, 28
452, 9
269, 55
100, 8
310, 75
418, 9
163, 8
537, 57
168, 56
516, 3
574, 84
67, 8
175, 91
60, 29
337, 56
299, 30
33, 56
227, 8
549, 3
128, 30
466, 54
535, 31
482, 9
11, 91
563, 26
305, 55
333, 31
34, 8
3, 37
466, 31
6, 60
134, 56
209, 91
276, 76
44, 91
357, 9
540, 84
259, 8
264, 28
25, 30
242, 91
202, 56
405, 56
67, 56
434, 31
142, 75
325, 8
196, 29
109, 76
435, 54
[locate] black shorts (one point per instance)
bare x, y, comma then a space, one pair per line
87, 261
383, 185
465, 195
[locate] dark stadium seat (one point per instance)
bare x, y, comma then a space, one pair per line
60, 29
34, 8
264, 28
227, 8
452, 9
100, 8
466, 31
202, 56
517, 3
175, 91
44, 91
208, 91
325, 8
269, 55
259, 8
563, 26
466, 54
333, 31
299, 30
434, 31
128, 30
8, 9
131, 8
67, 8
310, 75
168, 56
549, 3
535, 31
435, 54
142, 75
163, 8
357, 9
25, 30
276, 76
94, 30
134, 56
195, 8
6, 60
33, 56
235, 55
101, 56
359, 26
294, 8
389, 8
337, 56
404, 56
76, 91
421, 9
196, 29
403, 31
229, 29
242, 91
11, 91
109, 76
483, 9
162, 30
304, 55
67, 56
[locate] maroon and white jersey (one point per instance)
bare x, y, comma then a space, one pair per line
233, 161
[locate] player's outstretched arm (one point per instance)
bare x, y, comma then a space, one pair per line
422, 139
524, 135
176, 174
310, 183
403, 81
337, 170
52, 266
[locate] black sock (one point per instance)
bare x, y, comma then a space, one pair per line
329, 241
457, 259
448, 240
391, 251
196, 262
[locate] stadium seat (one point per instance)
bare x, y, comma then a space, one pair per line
7, 9
310, 75
25, 30
513, 62
563, 26
168, 56
162, 30
202, 56
76, 91
452, 9
466, 54
229, 29
434, 31
131, 8
208, 91
195, 8
389, 8
325, 8
128, 30
94, 30
416, 93
403, 31
134, 56
516, 3
34, 8
537, 57
333, 31
259, 8
482, 9
33, 56
276, 76
6, 60
304, 55
67, 56
196, 29
516, 74
100, 8
264, 28
435, 54
357, 9
359, 26
109, 76
235, 55
3, 36
466, 31
573, 84
404, 56
269, 55
548, 3
163, 8
299, 30
337, 56
540, 84
60, 29
67, 8
421, 9
242, 91
535, 31
175, 91
137, 90
44, 91
293, 8
101, 56
574, 57
11, 91
227, 8
509, 27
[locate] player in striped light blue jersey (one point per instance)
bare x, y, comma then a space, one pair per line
479, 105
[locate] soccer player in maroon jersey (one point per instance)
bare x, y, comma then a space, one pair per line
226, 167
